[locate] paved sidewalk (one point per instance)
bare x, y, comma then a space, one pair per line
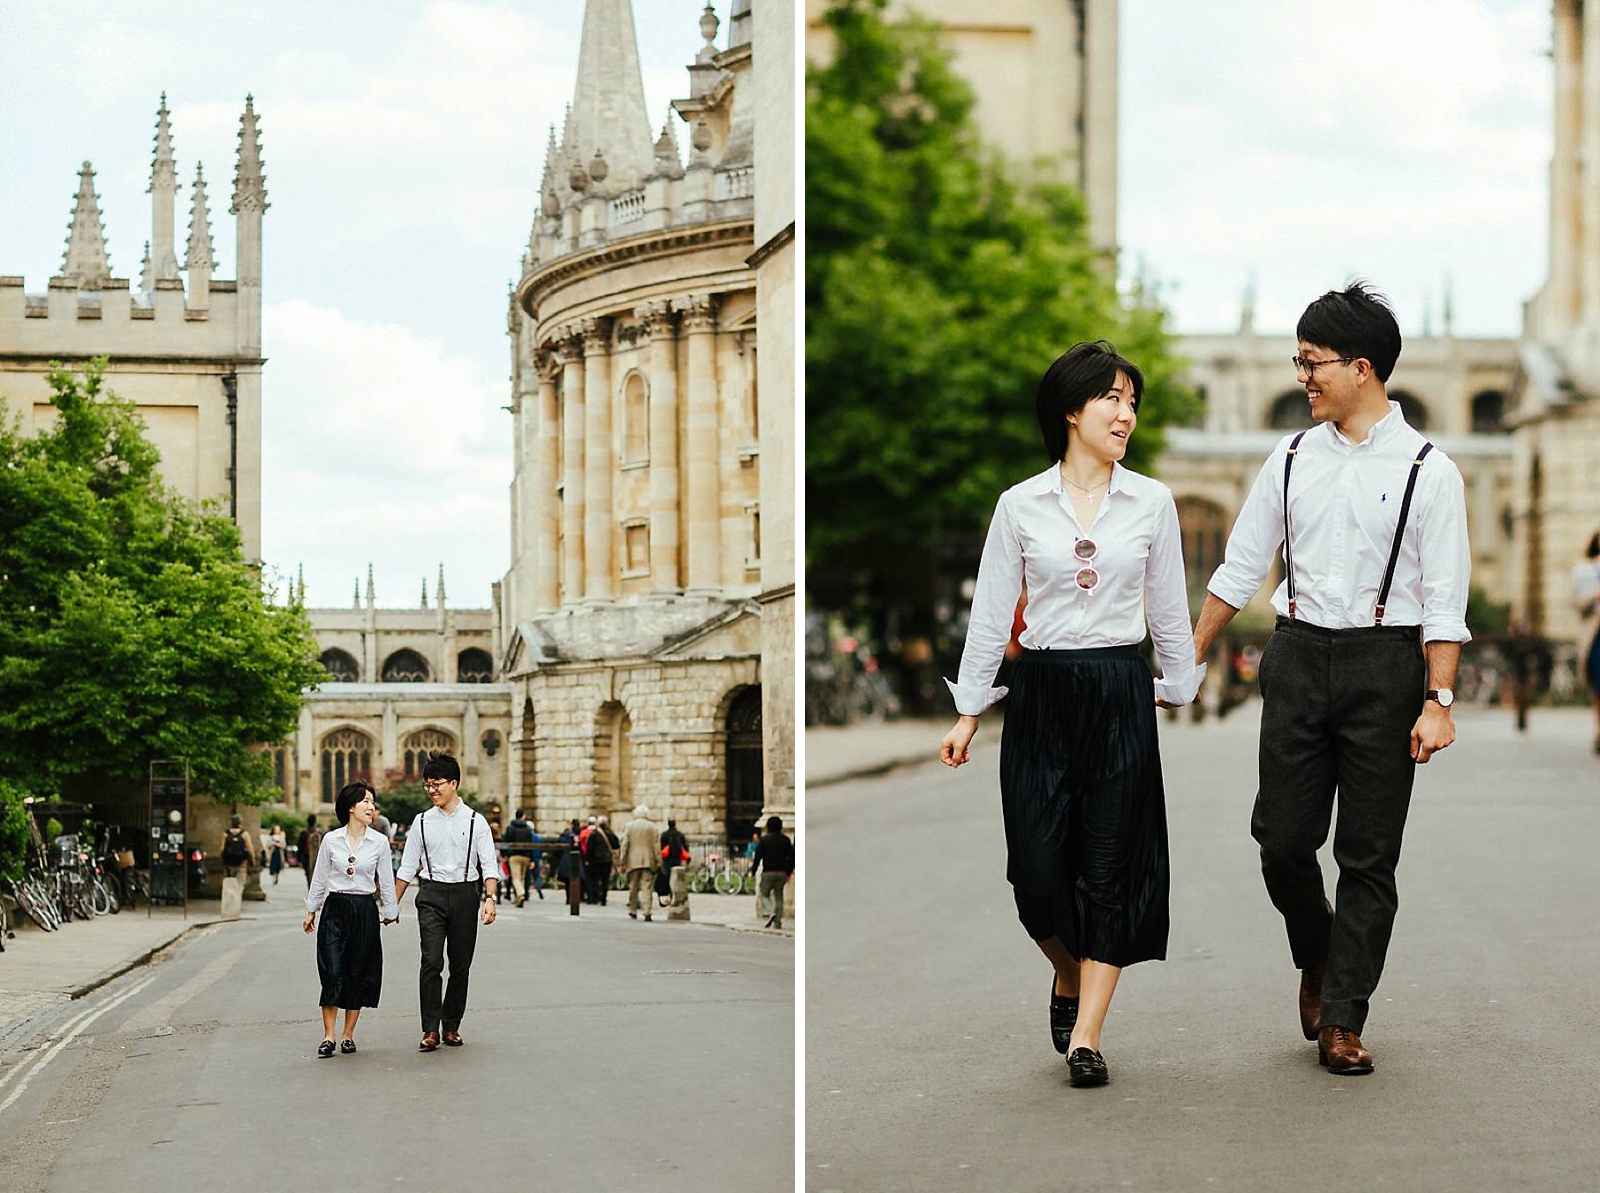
835, 753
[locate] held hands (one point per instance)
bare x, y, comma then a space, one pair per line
953, 750
1434, 731
309, 923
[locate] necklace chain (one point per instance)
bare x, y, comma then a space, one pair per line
1090, 491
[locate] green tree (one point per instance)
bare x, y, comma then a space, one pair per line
939, 286
130, 627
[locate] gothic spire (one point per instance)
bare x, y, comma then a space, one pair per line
371, 597
249, 183
424, 592
86, 261
608, 112
200, 252
668, 159
147, 277
439, 597
355, 600
163, 190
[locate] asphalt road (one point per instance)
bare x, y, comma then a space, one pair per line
928, 1063
601, 1052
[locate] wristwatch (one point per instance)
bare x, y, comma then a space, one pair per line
1443, 697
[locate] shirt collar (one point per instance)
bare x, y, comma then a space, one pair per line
1384, 429
1049, 481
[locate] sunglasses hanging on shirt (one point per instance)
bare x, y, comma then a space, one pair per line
1087, 578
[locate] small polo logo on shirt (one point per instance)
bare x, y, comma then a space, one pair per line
1385, 497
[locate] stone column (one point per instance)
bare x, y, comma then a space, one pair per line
572, 470
1588, 205
547, 515
664, 576
389, 746
701, 452
599, 460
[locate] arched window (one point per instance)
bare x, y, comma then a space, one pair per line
474, 666
423, 745
341, 667
1204, 526
1290, 411
1489, 412
1411, 406
405, 666
283, 772
635, 420
346, 756
613, 758
745, 767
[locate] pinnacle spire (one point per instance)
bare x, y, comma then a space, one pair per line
147, 277
86, 261
608, 112
371, 597
439, 592
355, 600
424, 592
164, 167
200, 253
163, 189
249, 183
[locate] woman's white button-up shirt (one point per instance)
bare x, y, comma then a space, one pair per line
1140, 560
373, 871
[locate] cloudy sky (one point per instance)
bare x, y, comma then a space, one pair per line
403, 143
1300, 142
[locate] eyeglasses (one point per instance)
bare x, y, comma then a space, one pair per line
435, 784
1087, 579
1310, 367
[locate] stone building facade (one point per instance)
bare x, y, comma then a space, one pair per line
634, 603
1045, 79
1555, 398
402, 683
184, 346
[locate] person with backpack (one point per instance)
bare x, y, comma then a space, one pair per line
519, 832
598, 856
235, 851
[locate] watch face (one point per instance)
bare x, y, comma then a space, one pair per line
1445, 697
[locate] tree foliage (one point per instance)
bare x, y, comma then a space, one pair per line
130, 627
939, 286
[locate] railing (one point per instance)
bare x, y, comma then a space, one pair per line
628, 208
736, 184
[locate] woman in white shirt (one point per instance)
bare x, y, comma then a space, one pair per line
352, 866
1096, 549
1586, 597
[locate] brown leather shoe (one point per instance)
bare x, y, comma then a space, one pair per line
453, 1039
1341, 1052
1311, 998
430, 1041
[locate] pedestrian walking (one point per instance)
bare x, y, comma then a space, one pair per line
601, 857
569, 870
584, 834
1586, 597
309, 842
1356, 679
235, 851
452, 860
640, 860
536, 863
277, 845
519, 833
1097, 549
352, 866
775, 858
1529, 665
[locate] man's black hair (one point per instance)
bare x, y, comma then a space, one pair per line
1082, 372
774, 824
311, 820
1356, 322
442, 766
349, 796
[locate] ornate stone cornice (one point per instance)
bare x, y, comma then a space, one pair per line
649, 246
596, 333
698, 311
655, 318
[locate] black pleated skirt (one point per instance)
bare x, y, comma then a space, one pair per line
349, 953
1085, 812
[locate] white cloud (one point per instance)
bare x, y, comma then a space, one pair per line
380, 445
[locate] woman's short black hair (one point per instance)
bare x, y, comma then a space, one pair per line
349, 796
1082, 372
442, 766
1357, 322
1594, 546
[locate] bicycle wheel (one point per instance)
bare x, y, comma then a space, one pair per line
100, 898
696, 882
748, 884
28, 898
728, 883
5, 924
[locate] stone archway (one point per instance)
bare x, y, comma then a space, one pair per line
406, 666
745, 796
341, 666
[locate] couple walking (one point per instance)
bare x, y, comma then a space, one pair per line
450, 855
1355, 680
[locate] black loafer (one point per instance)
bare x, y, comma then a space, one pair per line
1063, 1018
325, 1049
347, 1046
1087, 1067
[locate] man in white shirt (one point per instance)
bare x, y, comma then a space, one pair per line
451, 856
1356, 679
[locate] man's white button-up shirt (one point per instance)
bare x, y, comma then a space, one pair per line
1344, 506
1139, 555
445, 838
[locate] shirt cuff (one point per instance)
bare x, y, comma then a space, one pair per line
973, 699
1184, 690
1231, 592
1445, 631
388, 911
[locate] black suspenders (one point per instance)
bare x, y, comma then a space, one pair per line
472, 823
1399, 530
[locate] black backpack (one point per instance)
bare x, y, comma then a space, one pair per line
599, 849
235, 850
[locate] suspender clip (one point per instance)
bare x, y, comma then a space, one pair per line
1377, 617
